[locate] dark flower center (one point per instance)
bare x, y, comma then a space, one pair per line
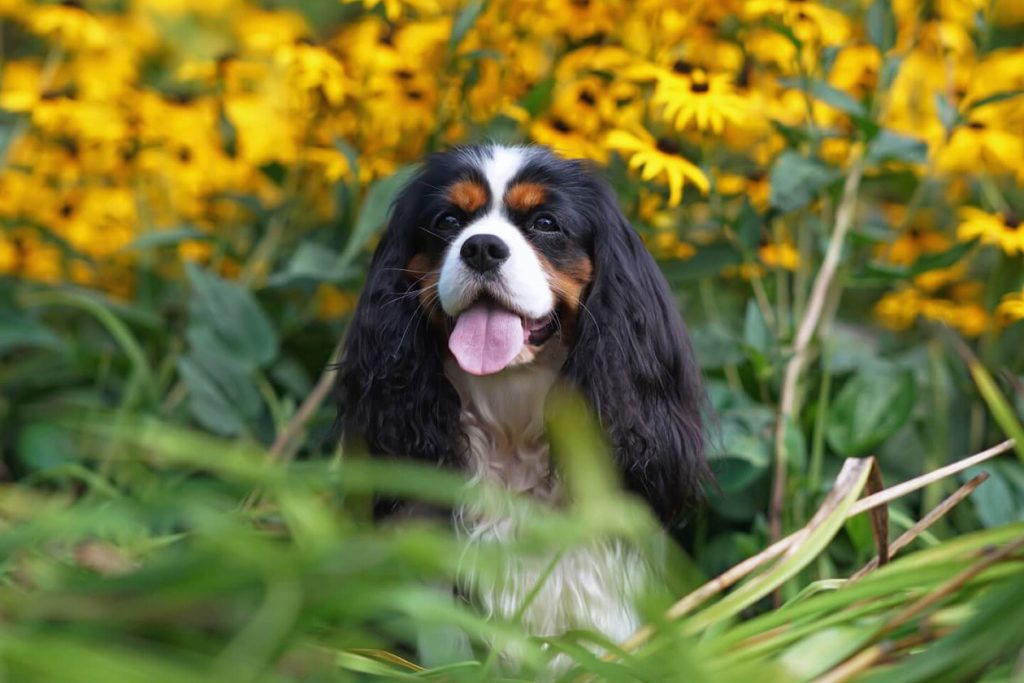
587, 98
1011, 220
185, 155
560, 125
404, 75
681, 66
415, 95
699, 86
73, 4
976, 125
667, 146
66, 210
581, 3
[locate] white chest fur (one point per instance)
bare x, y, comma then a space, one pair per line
591, 586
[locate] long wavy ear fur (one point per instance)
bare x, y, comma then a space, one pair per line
633, 360
391, 392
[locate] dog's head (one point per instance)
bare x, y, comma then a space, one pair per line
501, 257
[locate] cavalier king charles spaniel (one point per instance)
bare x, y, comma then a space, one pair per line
504, 270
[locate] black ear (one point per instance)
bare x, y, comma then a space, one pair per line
391, 391
633, 360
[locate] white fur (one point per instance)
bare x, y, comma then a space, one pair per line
521, 283
591, 586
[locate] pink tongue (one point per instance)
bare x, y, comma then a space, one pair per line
485, 339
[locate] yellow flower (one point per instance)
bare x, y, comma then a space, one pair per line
658, 159
696, 97
911, 244
19, 89
970, 319
982, 145
266, 132
665, 244
1011, 308
782, 255
1001, 230
856, 69
396, 9
898, 310
333, 302
559, 135
312, 68
264, 31
70, 25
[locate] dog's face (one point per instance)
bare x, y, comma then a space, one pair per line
502, 258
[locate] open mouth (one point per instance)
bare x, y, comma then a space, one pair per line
487, 336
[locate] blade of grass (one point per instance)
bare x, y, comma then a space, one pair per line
922, 525
811, 540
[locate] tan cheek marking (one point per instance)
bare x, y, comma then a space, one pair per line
468, 195
570, 283
426, 274
524, 197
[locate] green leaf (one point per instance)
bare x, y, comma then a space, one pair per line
708, 261
465, 21
997, 97
538, 99
167, 238
994, 501
19, 331
830, 95
890, 146
869, 409
315, 262
881, 25
374, 212
232, 315
221, 396
45, 445
948, 114
755, 330
748, 226
796, 180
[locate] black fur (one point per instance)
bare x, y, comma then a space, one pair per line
631, 358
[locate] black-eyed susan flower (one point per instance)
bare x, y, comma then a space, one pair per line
696, 98
1002, 230
782, 255
898, 310
561, 136
658, 158
982, 144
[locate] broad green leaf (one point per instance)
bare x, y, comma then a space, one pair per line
19, 331
168, 238
869, 408
890, 146
465, 21
756, 334
221, 396
231, 313
881, 25
994, 502
374, 212
796, 180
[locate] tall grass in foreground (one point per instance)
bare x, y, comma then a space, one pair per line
176, 557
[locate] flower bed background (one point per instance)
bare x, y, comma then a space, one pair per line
190, 192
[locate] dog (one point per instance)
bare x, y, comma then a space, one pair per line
503, 271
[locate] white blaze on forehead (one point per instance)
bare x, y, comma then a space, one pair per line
521, 283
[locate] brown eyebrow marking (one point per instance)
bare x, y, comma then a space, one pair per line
468, 195
525, 196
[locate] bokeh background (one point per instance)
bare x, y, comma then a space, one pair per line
190, 191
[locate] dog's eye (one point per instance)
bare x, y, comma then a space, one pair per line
448, 221
545, 223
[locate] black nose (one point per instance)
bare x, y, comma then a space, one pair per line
484, 252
